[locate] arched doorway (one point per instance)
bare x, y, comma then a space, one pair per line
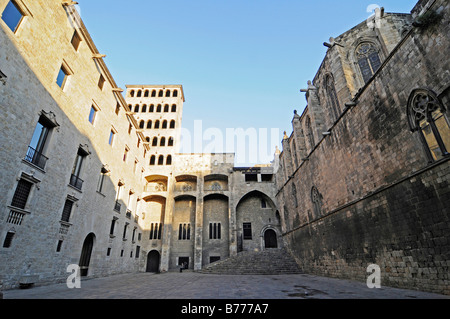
86, 252
270, 239
153, 258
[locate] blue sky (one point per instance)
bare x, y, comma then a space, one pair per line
241, 63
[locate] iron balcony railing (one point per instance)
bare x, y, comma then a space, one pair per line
36, 158
76, 182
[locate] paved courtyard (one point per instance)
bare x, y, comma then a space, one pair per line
192, 285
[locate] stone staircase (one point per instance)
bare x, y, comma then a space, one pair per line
266, 262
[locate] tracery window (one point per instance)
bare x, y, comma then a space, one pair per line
368, 60
427, 114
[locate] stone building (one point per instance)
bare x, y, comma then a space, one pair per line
91, 174
364, 176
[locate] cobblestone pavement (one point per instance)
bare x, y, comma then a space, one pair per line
192, 285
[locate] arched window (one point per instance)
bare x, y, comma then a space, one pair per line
132, 93
147, 139
172, 124
164, 124
141, 124
161, 93
309, 133
158, 108
316, 199
163, 141
144, 108
368, 60
157, 124
170, 143
149, 124
166, 108
154, 93
161, 160
168, 93
332, 96
427, 114
155, 141
146, 93
175, 93
136, 108
151, 108
152, 160
169, 160
139, 93
174, 108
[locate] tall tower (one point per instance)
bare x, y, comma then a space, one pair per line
158, 109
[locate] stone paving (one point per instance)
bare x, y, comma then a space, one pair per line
192, 285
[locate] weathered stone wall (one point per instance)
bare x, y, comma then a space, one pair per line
367, 192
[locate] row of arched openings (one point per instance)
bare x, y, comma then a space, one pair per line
153, 93
162, 141
151, 108
157, 124
161, 160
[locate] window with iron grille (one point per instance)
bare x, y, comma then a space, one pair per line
67, 210
21, 194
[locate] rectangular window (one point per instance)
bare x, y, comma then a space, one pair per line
108, 252
113, 224
251, 177
75, 179
21, 194
39, 142
101, 181
263, 203
58, 247
247, 228
76, 40
111, 137
101, 82
62, 77
138, 249
8, 239
67, 210
92, 114
12, 16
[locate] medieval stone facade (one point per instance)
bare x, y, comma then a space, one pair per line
92, 177
364, 176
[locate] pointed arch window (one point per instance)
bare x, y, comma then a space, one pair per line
332, 96
309, 133
427, 115
368, 59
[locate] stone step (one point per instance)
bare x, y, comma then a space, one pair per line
266, 262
